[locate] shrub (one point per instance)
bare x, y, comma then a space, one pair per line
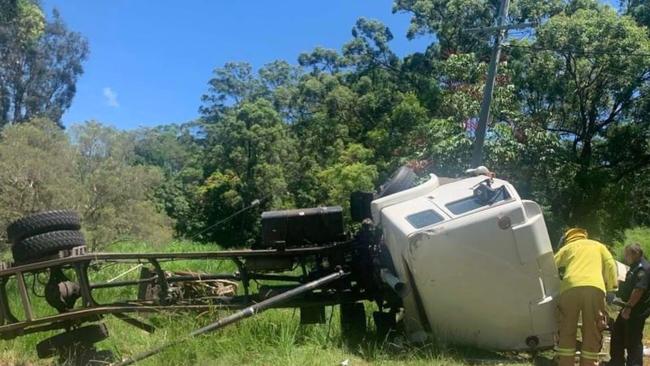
41, 169
639, 235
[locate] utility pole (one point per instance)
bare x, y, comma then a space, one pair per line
477, 153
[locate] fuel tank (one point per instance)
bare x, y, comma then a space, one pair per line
477, 261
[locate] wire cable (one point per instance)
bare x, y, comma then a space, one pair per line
256, 202
577, 52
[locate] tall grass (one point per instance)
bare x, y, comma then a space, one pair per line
271, 338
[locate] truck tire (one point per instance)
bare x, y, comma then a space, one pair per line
353, 323
401, 180
87, 336
42, 245
42, 222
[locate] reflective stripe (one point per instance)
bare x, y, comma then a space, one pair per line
558, 349
590, 355
565, 351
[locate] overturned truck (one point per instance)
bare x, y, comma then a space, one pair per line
466, 259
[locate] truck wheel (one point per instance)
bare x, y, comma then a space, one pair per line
42, 245
353, 323
86, 336
403, 179
42, 222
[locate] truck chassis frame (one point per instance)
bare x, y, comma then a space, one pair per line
313, 273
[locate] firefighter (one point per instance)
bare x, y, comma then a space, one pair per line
589, 271
627, 332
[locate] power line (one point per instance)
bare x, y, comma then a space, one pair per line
612, 71
577, 52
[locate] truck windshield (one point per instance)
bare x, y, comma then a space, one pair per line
424, 218
473, 202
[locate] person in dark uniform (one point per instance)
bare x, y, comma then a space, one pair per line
627, 332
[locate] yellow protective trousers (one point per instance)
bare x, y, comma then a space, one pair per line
588, 302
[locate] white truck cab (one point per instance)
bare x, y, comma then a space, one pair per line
476, 260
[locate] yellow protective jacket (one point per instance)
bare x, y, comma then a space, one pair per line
586, 263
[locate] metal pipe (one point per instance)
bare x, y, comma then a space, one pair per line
170, 279
123, 257
121, 283
275, 277
24, 297
240, 315
81, 269
399, 287
135, 322
5, 309
188, 278
125, 273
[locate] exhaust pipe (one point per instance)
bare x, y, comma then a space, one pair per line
399, 287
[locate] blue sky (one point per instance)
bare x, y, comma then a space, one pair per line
150, 61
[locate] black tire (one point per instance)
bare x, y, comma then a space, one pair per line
87, 336
42, 245
42, 223
353, 323
403, 179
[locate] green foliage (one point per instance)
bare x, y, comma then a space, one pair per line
110, 182
322, 59
220, 197
563, 104
27, 18
569, 122
450, 21
175, 151
369, 45
251, 153
570, 128
637, 9
40, 61
351, 173
640, 235
582, 84
444, 143
37, 170
42, 170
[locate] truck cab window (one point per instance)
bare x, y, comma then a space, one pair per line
481, 197
424, 218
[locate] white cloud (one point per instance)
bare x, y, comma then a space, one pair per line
111, 97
